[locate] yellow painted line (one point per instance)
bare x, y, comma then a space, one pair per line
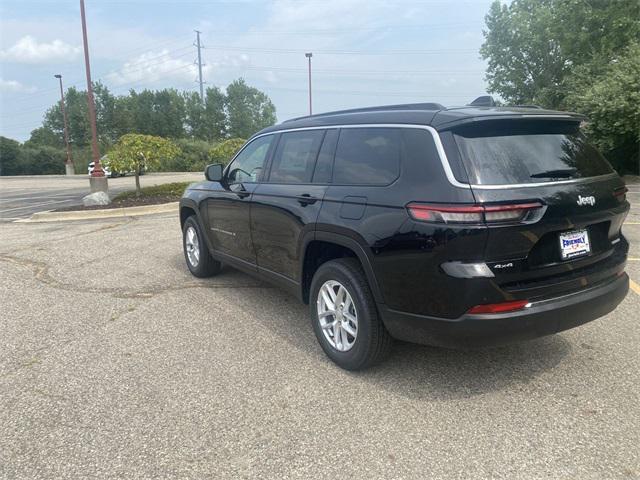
631, 223
633, 259
634, 286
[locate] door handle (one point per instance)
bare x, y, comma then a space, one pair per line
306, 199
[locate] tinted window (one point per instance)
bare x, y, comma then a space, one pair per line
322, 173
527, 152
367, 156
248, 165
295, 157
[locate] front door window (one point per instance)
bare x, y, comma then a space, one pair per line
248, 165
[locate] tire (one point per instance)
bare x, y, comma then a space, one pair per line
196, 253
372, 342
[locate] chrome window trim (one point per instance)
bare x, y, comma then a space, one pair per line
441, 153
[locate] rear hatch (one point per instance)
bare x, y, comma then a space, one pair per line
571, 237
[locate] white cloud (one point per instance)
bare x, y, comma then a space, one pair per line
153, 66
28, 50
13, 86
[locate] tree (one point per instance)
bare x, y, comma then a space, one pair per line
105, 113
224, 151
612, 103
44, 136
553, 52
248, 110
532, 45
133, 152
77, 115
9, 157
205, 121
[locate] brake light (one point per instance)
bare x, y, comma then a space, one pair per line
446, 213
500, 307
470, 214
621, 193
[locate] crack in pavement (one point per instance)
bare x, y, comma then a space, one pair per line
41, 273
75, 235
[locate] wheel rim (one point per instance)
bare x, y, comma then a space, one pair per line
337, 315
192, 244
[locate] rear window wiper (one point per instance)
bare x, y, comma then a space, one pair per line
560, 173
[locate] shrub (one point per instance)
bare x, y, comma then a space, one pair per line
224, 151
194, 156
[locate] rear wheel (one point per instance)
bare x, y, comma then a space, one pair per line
200, 262
344, 316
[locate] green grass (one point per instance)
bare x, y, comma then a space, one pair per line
168, 189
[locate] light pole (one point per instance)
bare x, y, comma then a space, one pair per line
97, 180
309, 55
69, 170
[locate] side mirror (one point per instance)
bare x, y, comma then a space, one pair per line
213, 172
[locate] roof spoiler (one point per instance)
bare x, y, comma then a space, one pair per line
483, 101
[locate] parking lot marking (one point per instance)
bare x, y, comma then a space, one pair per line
32, 205
634, 286
631, 223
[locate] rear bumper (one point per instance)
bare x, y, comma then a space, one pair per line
542, 318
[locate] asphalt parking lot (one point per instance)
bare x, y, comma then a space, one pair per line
116, 363
22, 196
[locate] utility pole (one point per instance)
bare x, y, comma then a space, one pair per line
309, 55
69, 170
200, 65
97, 180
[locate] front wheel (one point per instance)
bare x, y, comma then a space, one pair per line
200, 262
344, 316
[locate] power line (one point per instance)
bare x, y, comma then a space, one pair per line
346, 52
117, 87
333, 31
124, 69
361, 72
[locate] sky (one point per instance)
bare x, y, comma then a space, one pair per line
365, 52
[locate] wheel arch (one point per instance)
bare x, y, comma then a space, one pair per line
321, 246
187, 208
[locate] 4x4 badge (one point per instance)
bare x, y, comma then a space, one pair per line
591, 200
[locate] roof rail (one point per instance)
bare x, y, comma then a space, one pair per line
528, 106
407, 106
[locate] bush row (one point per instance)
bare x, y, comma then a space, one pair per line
19, 159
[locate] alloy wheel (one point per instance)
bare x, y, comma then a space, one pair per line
337, 315
192, 244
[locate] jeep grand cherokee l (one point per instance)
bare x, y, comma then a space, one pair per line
453, 227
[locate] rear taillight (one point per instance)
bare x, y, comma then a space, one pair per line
475, 214
446, 213
621, 193
503, 307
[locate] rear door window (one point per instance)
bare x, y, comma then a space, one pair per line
295, 157
517, 152
324, 164
367, 156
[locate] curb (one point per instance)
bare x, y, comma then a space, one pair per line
51, 216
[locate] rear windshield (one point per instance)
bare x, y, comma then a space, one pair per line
502, 153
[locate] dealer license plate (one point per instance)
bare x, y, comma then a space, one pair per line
574, 244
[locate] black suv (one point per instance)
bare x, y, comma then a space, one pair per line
453, 227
